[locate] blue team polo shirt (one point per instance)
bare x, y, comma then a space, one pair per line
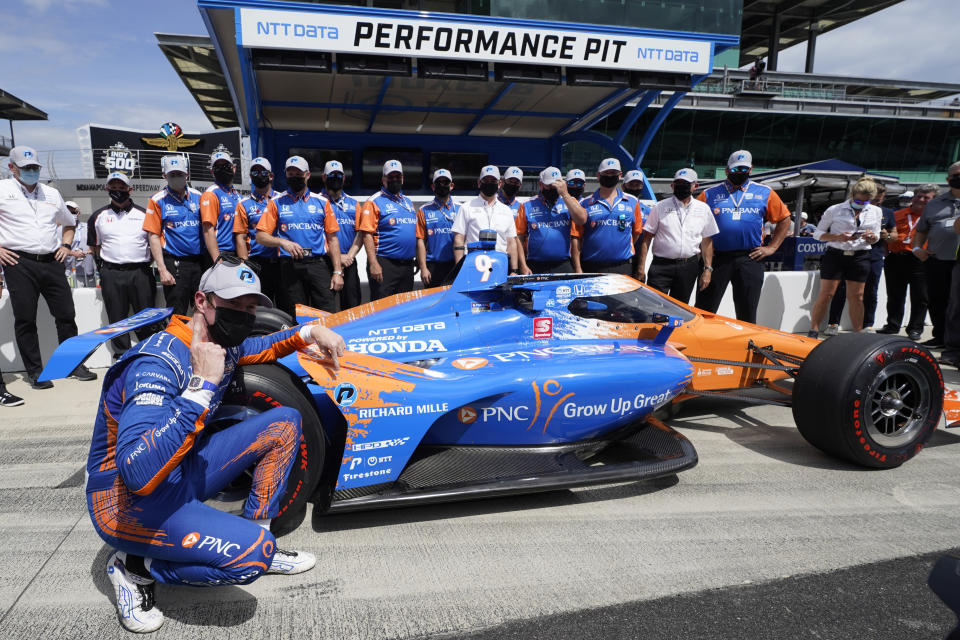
514, 206
178, 221
740, 213
547, 229
607, 237
394, 219
255, 207
218, 206
345, 210
434, 226
303, 220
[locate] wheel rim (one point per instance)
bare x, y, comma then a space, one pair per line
897, 406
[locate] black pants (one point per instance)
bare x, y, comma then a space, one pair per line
269, 276
746, 275
552, 266
28, 280
439, 272
349, 296
307, 281
951, 335
870, 289
676, 278
186, 271
127, 291
939, 277
901, 270
397, 278
625, 267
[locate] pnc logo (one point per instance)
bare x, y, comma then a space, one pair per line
467, 415
190, 539
470, 363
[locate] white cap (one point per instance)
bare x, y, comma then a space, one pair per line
906, 195
441, 173
220, 155
71, 204
608, 164
174, 163
633, 174
332, 166
231, 281
260, 161
23, 156
576, 174
742, 158
686, 174
513, 172
118, 175
297, 162
550, 175
489, 170
803, 215
391, 166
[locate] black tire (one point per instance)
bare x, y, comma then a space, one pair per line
270, 320
258, 388
873, 400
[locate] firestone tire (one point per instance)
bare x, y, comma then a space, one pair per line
270, 320
873, 400
258, 388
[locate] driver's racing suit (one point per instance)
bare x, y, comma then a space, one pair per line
151, 466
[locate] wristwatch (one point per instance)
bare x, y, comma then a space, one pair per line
66, 246
197, 383
338, 273
707, 267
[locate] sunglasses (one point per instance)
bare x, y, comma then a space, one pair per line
262, 173
740, 170
860, 202
234, 260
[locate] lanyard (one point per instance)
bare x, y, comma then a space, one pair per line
736, 203
684, 211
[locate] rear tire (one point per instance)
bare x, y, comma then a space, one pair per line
270, 320
873, 400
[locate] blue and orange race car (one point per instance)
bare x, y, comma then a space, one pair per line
500, 384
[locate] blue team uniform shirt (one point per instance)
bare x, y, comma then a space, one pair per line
610, 231
547, 229
514, 205
176, 221
249, 212
305, 220
218, 206
740, 213
393, 220
434, 223
345, 210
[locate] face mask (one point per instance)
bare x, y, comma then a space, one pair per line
260, 181
550, 195
737, 178
953, 182
296, 183
29, 176
489, 188
334, 183
441, 190
223, 175
119, 195
634, 192
608, 182
177, 183
681, 190
231, 327
511, 190
855, 206
394, 186
576, 192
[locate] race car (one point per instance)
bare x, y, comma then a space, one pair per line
498, 384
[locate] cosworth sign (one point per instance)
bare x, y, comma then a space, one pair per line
318, 31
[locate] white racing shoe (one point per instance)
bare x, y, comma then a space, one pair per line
136, 607
291, 562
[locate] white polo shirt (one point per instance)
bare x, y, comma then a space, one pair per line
841, 218
120, 234
30, 221
678, 229
477, 215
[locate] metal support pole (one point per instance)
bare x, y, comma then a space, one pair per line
773, 48
13, 141
811, 45
797, 210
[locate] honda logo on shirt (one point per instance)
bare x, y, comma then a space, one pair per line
542, 328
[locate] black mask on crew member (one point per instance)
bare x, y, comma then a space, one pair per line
489, 188
296, 183
510, 190
260, 181
334, 183
682, 189
634, 192
231, 327
954, 182
223, 174
608, 182
549, 195
441, 190
394, 186
119, 195
737, 178
575, 191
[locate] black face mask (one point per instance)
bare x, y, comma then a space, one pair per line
634, 192
223, 175
489, 188
681, 190
441, 190
296, 183
394, 186
576, 192
260, 181
608, 182
334, 183
231, 327
549, 195
954, 182
119, 195
737, 178
511, 190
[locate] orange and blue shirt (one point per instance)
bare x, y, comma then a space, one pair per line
547, 229
176, 221
347, 212
514, 204
305, 220
218, 206
740, 213
249, 212
393, 221
434, 227
611, 230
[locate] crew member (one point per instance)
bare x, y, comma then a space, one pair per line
512, 183
740, 206
32, 252
303, 226
604, 243
218, 206
347, 212
486, 212
434, 235
116, 236
848, 228
79, 264
544, 224
633, 183
249, 211
680, 229
146, 501
388, 221
903, 268
576, 179
173, 231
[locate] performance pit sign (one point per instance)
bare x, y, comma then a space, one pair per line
503, 42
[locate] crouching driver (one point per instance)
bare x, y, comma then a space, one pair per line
151, 466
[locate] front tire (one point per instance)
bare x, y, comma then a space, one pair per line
873, 400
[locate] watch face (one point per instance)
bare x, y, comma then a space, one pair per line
196, 382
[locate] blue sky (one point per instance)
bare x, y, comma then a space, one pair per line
97, 60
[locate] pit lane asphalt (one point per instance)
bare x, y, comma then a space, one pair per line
765, 534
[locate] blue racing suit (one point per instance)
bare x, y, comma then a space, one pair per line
151, 466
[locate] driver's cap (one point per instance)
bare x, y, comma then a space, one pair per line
231, 281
